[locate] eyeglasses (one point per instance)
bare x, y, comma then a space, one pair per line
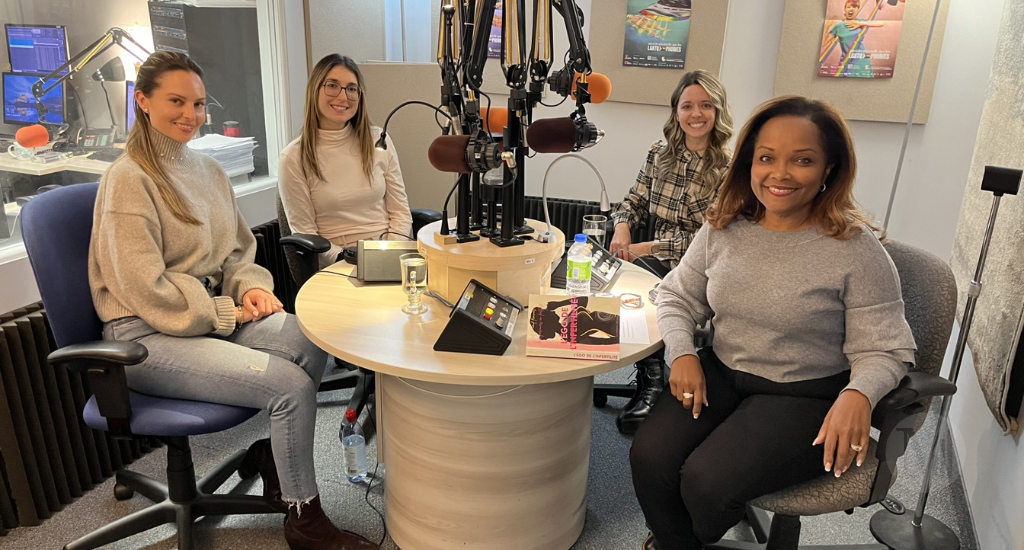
333, 89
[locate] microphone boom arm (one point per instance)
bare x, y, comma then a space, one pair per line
113, 36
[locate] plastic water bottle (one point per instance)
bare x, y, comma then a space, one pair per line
354, 443
577, 276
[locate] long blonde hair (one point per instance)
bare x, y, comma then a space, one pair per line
140, 140
311, 121
717, 155
834, 210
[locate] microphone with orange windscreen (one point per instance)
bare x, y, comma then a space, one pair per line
35, 135
495, 119
599, 86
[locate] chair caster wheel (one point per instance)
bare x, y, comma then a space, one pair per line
600, 400
123, 492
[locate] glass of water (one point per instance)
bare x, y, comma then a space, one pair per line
594, 225
414, 282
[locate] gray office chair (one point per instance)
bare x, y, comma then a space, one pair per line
930, 295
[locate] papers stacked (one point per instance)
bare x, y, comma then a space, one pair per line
234, 154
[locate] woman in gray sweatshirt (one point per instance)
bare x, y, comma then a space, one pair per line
171, 267
809, 333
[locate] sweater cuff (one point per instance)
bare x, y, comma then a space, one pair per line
875, 378
225, 315
677, 344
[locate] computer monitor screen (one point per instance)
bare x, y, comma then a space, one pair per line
36, 48
20, 104
129, 105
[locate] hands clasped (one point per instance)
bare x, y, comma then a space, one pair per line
257, 304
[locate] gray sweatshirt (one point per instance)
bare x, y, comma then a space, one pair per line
144, 261
791, 306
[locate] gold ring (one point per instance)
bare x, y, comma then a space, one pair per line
687, 395
856, 448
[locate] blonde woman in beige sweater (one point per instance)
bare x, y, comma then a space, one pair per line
171, 267
332, 180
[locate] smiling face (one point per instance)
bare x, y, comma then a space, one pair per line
696, 116
335, 112
177, 105
788, 170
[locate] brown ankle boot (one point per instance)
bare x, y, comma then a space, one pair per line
313, 530
260, 458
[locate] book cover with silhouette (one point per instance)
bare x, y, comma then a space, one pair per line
576, 327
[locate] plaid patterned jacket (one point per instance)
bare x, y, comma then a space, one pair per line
671, 200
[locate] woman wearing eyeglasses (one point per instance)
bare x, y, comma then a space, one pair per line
332, 180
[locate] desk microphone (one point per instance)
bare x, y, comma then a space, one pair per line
562, 135
464, 154
35, 135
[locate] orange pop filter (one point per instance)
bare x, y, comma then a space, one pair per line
600, 87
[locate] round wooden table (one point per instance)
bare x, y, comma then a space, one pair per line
482, 452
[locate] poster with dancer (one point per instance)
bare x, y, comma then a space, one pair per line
494, 41
578, 327
860, 38
656, 34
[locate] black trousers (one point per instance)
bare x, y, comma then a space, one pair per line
693, 478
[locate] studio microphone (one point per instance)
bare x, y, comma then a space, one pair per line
111, 71
599, 86
464, 154
35, 135
562, 135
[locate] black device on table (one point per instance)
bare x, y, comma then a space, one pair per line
481, 322
602, 271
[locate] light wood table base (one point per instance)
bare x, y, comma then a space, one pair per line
485, 467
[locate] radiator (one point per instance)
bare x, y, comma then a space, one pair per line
48, 456
566, 214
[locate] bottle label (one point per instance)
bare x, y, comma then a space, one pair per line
352, 460
579, 270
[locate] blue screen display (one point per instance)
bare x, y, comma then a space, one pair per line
37, 49
20, 104
129, 105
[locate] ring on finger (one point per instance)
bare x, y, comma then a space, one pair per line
687, 395
856, 448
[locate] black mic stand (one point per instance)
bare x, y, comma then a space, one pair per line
924, 531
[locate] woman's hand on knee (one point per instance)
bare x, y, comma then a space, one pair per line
259, 303
846, 432
687, 383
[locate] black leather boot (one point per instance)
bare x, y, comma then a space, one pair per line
650, 379
260, 458
311, 529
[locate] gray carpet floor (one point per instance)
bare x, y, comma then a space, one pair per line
613, 519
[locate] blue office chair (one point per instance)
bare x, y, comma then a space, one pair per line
57, 227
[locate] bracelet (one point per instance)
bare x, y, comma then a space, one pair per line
238, 317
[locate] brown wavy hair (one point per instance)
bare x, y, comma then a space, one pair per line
360, 122
140, 139
834, 210
717, 154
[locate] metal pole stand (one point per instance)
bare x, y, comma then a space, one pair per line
924, 532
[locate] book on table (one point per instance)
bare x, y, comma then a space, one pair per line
577, 327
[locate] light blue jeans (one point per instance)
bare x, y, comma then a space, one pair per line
268, 364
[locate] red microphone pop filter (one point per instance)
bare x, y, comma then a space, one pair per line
552, 135
32, 136
448, 154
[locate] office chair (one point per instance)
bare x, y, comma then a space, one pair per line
302, 256
57, 228
929, 293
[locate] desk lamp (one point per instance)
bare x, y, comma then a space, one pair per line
548, 236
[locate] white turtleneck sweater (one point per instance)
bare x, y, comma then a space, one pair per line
346, 205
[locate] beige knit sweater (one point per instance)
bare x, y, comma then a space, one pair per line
145, 262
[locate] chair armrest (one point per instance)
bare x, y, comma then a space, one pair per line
895, 416
422, 217
306, 243
99, 354
915, 387
102, 362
